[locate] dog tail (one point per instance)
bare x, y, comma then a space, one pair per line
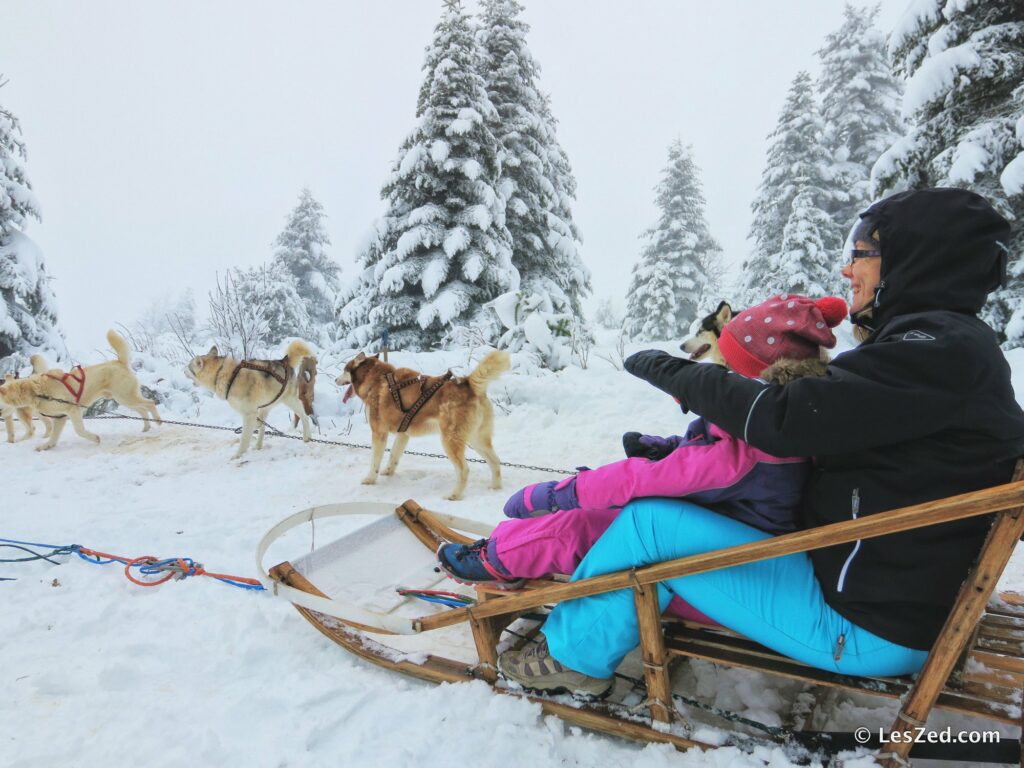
296, 351
39, 364
120, 347
491, 367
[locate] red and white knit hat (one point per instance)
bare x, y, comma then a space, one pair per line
786, 326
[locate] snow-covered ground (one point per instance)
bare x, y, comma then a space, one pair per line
98, 671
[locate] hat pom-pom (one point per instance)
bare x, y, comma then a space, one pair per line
833, 309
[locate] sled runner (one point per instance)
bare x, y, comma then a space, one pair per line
359, 591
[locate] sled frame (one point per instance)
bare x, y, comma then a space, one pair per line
996, 638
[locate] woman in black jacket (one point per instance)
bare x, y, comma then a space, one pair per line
922, 409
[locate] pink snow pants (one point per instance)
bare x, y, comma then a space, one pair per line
535, 547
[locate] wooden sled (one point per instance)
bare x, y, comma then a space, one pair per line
976, 666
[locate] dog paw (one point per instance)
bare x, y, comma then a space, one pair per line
369, 480
388, 471
495, 486
43, 447
454, 497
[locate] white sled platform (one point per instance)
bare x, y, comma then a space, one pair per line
349, 591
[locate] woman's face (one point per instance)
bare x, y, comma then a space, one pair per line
864, 275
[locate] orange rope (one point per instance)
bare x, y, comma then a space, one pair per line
196, 570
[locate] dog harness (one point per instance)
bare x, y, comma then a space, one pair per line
76, 392
264, 367
425, 394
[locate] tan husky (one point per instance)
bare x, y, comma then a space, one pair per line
458, 409
39, 365
254, 387
64, 396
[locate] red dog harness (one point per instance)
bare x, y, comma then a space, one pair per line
79, 380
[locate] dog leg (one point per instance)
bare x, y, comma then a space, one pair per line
299, 415
248, 424
482, 445
456, 451
262, 417
9, 426
55, 430
79, 426
380, 442
397, 449
25, 415
47, 425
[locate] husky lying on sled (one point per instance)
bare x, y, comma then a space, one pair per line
62, 395
254, 387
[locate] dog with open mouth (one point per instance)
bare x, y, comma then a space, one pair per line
703, 345
405, 403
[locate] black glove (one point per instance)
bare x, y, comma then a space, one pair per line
650, 447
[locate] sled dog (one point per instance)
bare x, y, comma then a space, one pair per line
254, 387
64, 395
458, 409
39, 365
703, 345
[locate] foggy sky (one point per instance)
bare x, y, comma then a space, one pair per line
169, 140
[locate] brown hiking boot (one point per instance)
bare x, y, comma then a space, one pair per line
535, 669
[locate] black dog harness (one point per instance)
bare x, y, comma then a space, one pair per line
425, 394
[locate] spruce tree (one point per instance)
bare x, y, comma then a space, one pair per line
444, 250
668, 282
301, 252
28, 309
859, 108
805, 265
797, 162
536, 181
273, 291
964, 100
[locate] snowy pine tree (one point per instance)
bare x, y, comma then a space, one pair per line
860, 103
273, 290
805, 265
444, 250
964, 100
300, 250
536, 182
28, 309
797, 162
668, 284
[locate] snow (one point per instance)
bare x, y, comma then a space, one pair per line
1012, 177
937, 75
96, 669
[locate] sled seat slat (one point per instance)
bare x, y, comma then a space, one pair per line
990, 680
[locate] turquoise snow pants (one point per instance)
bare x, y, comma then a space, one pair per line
777, 603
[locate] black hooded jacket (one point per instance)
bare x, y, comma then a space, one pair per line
921, 410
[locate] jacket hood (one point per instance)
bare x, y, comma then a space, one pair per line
942, 249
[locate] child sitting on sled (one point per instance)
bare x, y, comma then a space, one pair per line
779, 340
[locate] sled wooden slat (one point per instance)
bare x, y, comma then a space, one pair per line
967, 505
652, 650
423, 525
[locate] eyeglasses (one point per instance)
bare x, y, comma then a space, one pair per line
860, 253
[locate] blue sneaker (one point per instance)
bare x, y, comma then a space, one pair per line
468, 564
